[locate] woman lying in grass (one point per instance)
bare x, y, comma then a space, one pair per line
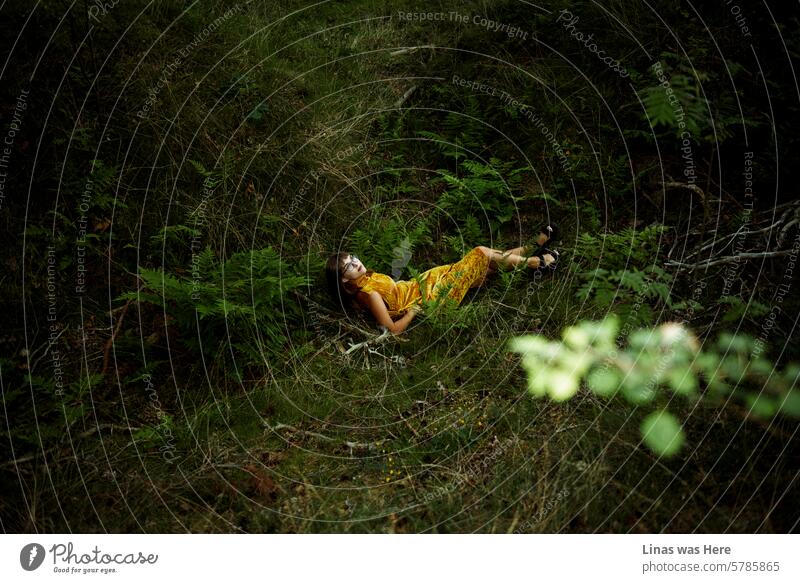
348, 280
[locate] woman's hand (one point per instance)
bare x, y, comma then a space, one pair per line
415, 309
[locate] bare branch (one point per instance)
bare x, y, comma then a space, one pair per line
405, 96
693, 187
374, 340
409, 50
110, 343
733, 259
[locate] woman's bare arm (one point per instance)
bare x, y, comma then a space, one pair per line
378, 309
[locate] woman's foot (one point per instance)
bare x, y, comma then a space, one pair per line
543, 258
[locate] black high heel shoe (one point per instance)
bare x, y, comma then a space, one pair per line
540, 253
550, 231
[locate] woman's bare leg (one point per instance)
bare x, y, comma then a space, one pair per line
509, 260
541, 239
514, 251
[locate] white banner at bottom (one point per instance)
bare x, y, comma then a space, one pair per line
406, 558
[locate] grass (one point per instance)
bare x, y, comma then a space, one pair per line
449, 443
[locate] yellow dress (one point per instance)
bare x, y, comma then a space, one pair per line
468, 272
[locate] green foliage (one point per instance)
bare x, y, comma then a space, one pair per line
736, 308
462, 132
677, 102
61, 407
469, 235
633, 293
629, 281
318, 105
211, 178
246, 300
619, 250
662, 433
483, 190
387, 245
444, 315
657, 365
102, 196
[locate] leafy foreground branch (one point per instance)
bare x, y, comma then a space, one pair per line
656, 365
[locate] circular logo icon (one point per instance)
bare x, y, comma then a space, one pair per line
31, 556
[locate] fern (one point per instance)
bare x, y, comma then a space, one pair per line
462, 132
616, 250
469, 235
738, 308
632, 293
245, 299
210, 177
691, 108
482, 191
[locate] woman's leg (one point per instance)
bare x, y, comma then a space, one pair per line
514, 251
509, 260
541, 239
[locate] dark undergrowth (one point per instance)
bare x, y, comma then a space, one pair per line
171, 360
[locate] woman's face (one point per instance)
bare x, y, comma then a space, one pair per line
352, 268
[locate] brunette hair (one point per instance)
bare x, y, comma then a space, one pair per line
342, 293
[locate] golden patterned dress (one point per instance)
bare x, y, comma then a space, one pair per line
454, 279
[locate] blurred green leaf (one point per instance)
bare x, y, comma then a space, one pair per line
604, 381
662, 433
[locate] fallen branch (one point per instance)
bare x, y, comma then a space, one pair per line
353, 445
732, 259
374, 340
741, 231
409, 50
110, 342
693, 187
405, 96
274, 429
349, 444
